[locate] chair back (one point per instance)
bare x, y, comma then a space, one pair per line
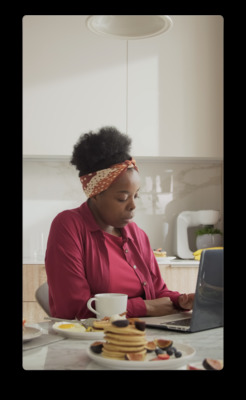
42, 297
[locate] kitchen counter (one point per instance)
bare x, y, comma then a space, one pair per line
179, 263
33, 261
174, 263
53, 352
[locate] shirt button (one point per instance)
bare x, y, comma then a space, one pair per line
126, 250
134, 267
144, 283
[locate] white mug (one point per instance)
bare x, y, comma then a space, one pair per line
108, 304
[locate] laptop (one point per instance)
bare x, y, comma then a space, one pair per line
207, 310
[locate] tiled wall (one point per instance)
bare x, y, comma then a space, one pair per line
167, 188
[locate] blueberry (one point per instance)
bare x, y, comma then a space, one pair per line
159, 351
170, 351
178, 354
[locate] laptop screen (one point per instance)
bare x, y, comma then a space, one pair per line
208, 303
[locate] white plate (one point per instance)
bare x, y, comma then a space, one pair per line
164, 260
30, 333
76, 335
171, 363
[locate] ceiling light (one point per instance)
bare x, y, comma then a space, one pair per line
129, 26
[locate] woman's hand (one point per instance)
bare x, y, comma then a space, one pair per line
164, 306
159, 307
186, 300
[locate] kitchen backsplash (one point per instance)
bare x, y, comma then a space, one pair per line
167, 188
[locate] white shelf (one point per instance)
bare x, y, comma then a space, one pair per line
180, 263
33, 260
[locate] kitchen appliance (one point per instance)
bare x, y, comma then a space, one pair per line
188, 219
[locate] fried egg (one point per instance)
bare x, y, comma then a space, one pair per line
73, 327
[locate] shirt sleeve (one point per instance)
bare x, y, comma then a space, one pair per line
159, 286
136, 307
69, 290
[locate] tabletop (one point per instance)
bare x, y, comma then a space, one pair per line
50, 351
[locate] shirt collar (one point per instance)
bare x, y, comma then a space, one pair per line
88, 217
93, 226
126, 234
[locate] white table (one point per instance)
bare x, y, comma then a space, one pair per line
53, 352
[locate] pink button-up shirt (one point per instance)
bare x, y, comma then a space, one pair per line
77, 265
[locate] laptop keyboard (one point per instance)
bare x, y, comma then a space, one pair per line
182, 322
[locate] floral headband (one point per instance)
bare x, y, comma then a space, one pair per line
96, 182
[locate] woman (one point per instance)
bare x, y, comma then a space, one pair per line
96, 248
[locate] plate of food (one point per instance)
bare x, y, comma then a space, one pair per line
125, 346
29, 332
161, 256
76, 330
165, 260
151, 361
160, 253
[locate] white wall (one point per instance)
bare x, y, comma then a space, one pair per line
175, 94
167, 188
166, 92
73, 81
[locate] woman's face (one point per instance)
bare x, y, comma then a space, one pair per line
115, 207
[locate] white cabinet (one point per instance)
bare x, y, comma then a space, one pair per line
175, 90
166, 92
180, 279
73, 82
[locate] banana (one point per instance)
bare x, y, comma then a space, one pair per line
197, 254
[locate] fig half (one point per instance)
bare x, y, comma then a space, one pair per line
209, 363
96, 347
150, 346
163, 344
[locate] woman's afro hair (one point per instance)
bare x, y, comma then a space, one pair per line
96, 151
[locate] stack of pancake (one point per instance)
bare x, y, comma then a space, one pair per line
100, 324
122, 341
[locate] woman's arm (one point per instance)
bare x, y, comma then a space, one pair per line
64, 262
166, 301
164, 306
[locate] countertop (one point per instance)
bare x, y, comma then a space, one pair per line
174, 263
53, 352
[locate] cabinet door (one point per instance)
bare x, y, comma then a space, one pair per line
175, 90
181, 279
33, 277
73, 81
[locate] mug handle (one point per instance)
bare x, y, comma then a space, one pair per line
90, 307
